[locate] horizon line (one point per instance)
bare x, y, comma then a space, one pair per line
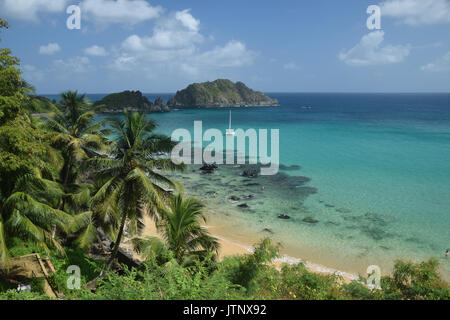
273, 92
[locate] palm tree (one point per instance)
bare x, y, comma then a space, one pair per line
76, 131
181, 231
134, 182
28, 214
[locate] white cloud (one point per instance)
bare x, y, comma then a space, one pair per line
49, 49
369, 51
438, 65
128, 12
30, 9
291, 66
96, 51
70, 66
187, 20
124, 63
233, 54
175, 41
32, 74
174, 47
180, 30
417, 12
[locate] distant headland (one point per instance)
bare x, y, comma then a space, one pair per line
219, 93
131, 101
215, 94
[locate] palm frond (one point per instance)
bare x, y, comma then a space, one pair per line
149, 247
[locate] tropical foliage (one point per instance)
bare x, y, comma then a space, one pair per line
182, 232
64, 186
133, 182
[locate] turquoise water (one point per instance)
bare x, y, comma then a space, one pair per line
379, 165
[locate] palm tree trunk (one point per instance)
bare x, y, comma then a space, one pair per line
69, 166
66, 179
116, 244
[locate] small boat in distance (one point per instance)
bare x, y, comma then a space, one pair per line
230, 132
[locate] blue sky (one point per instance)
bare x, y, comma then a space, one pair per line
274, 46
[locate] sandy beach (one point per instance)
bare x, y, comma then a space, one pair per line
235, 242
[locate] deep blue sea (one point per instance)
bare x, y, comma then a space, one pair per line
380, 164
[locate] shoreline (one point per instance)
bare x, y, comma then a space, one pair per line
239, 244
235, 244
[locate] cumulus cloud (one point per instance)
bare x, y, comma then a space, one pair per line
96, 51
76, 65
30, 9
370, 51
102, 12
438, 65
32, 74
175, 41
128, 12
417, 12
49, 49
291, 66
232, 54
179, 30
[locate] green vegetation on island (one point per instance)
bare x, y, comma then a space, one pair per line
220, 93
70, 194
130, 101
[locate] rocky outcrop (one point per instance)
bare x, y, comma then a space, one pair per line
130, 101
310, 220
220, 93
159, 106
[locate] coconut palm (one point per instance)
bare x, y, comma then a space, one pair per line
181, 230
28, 214
76, 132
134, 182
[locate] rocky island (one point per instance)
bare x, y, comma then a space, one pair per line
131, 101
220, 93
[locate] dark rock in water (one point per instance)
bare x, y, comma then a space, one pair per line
250, 173
284, 216
306, 190
375, 233
208, 168
234, 198
251, 184
343, 210
160, 106
289, 168
243, 206
310, 220
268, 230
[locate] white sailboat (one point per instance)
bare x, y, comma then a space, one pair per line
230, 132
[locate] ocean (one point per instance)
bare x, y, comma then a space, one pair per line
372, 171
